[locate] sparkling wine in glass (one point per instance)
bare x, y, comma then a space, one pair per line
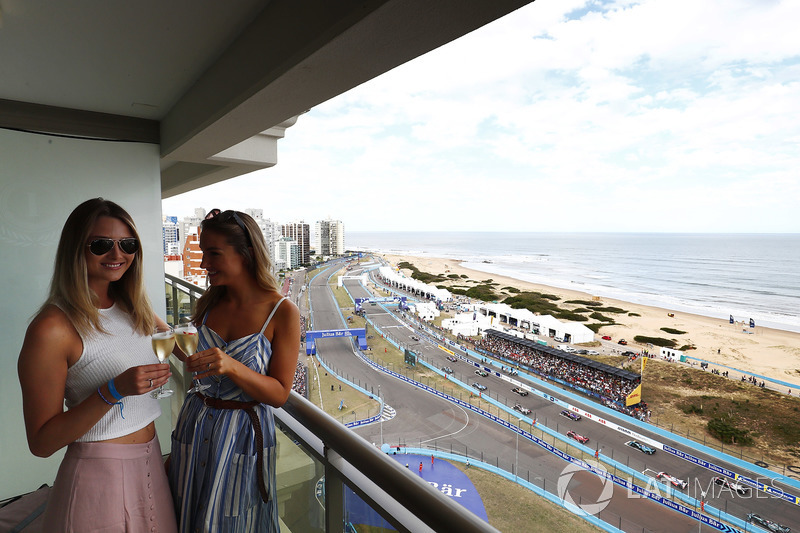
186, 337
163, 340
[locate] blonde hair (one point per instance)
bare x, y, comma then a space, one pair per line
69, 288
242, 233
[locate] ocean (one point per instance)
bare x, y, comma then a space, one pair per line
749, 276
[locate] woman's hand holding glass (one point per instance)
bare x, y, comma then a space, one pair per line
187, 339
163, 341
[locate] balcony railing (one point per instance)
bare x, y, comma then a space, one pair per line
325, 470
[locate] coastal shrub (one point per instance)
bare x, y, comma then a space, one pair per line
596, 326
617, 310
482, 292
673, 331
569, 315
691, 409
454, 276
512, 289
533, 302
686, 347
417, 274
725, 430
587, 303
600, 317
634, 314
658, 341
464, 276
580, 310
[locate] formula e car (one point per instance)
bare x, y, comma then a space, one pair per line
731, 485
479, 386
482, 373
580, 438
520, 391
523, 410
769, 524
681, 484
641, 447
569, 414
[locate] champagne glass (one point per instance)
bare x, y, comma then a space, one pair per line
186, 337
163, 340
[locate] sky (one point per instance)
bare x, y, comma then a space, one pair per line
566, 115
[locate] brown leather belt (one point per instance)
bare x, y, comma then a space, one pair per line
247, 407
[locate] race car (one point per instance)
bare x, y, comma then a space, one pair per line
641, 447
447, 370
606, 337
452, 359
769, 524
731, 485
681, 484
479, 386
482, 373
414, 338
523, 410
580, 438
569, 414
520, 391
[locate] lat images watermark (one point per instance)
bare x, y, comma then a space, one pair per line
587, 506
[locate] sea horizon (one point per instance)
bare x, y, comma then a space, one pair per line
747, 275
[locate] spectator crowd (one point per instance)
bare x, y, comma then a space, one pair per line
602, 384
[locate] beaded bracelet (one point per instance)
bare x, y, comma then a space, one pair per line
112, 404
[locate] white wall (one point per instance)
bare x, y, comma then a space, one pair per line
42, 178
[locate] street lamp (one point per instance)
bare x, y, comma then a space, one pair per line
381, 413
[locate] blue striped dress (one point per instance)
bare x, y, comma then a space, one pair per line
212, 470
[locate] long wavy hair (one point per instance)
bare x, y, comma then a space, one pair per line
69, 288
242, 233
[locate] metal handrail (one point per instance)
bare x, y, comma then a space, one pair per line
407, 500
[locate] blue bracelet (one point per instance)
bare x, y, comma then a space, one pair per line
113, 390
112, 404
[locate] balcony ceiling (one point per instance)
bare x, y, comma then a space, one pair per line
214, 83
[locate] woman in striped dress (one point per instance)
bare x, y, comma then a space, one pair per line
222, 466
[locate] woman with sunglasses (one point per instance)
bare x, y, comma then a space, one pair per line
89, 348
222, 465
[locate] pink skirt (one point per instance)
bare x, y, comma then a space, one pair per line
103, 487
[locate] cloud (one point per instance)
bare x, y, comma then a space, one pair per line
563, 116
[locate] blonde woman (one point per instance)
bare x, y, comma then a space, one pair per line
222, 465
88, 348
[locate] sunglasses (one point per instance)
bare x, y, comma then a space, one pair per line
227, 216
103, 246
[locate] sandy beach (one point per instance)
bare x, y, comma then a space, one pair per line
769, 352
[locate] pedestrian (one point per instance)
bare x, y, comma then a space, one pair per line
89, 349
431, 460
467, 463
224, 438
420, 467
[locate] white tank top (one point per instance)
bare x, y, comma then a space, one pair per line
105, 356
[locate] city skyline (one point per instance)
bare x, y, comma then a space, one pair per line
562, 116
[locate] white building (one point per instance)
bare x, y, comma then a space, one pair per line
398, 280
329, 238
544, 325
170, 235
287, 254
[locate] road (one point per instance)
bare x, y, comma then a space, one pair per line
425, 420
